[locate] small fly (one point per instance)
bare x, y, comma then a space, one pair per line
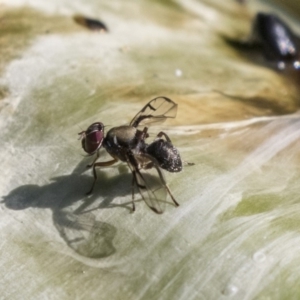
127, 143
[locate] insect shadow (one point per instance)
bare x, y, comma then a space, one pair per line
71, 215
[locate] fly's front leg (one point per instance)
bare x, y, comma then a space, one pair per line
97, 156
100, 164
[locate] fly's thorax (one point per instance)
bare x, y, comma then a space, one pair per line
122, 136
120, 140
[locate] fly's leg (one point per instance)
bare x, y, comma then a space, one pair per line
132, 183
165, 184
134, 169
145, 133
188, 163
162, 134
97, 156
132, 187
142, 135
100, 164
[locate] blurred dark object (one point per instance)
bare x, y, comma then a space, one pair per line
272, 37
91, 24
277, 40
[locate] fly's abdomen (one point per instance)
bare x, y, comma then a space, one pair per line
166, 155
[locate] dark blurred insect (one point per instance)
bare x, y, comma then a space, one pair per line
278, 42
128, 144
274, 38
91, 24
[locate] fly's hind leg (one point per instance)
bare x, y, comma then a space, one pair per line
135, 181
132, 187
162, 134
161, 176
100, 164
188, 163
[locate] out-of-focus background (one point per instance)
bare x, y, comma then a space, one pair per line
235, 234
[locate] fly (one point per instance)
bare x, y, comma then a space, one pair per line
127, 143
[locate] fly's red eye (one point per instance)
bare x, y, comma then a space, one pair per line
93, 138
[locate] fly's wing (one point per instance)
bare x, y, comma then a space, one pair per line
156, 111
150, 181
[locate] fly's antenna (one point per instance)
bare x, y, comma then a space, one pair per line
81, 133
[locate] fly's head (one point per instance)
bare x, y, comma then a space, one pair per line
92, 138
